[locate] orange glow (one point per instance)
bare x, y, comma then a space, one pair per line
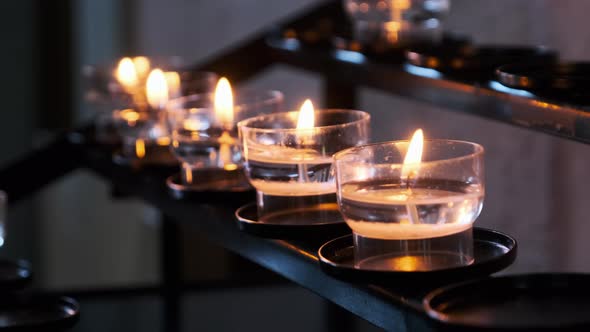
413, 155
306, 118
173, 83
126, 74
130, 116
394, 26
406, 263
224, 103
142, 66
226, 141
192, 124
157, 89
230, 167
163, 141
140, 148
188, 175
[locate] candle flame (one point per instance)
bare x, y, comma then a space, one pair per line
413, 156
126, 73
142, 66
224, 103
157, 89
306, 119
173, 82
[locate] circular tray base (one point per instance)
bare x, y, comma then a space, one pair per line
248, 222
493, 251
524, 302
23, 312
563, 81
475, 62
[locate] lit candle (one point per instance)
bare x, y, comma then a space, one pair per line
411, 205
157, 89
294, 141
224, 110
411, 200
126, 75
289, 161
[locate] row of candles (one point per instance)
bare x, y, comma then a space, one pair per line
410, 204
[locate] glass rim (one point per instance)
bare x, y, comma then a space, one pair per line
478, 151
364, 117
269, 97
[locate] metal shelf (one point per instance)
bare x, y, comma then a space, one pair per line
350, 70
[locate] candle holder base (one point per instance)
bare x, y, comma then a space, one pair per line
208, 182
422, 254
279, 227
475, 63
30, 312
493, 251
531, 302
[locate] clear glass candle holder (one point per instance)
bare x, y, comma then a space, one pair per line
103, 93
142, 135
397, 22
419, 223
200, 138
291, 169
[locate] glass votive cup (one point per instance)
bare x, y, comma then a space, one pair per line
420, 223
291, 169
397, 22
103, 92
201, 139
143, 137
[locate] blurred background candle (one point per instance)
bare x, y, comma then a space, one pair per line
224, 111
203, 127
124, 86
397, 23
289, 158
143, 128
411, 205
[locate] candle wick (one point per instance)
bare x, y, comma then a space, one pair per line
411, 175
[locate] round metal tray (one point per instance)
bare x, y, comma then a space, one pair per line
493, 251
532, 302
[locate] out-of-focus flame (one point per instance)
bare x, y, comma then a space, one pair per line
126, 74
224, 103
413, 155
142, 66
306, 118
173, 82
394, 26
157, 89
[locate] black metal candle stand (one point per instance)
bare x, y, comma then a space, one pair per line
211, 182
249, 222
